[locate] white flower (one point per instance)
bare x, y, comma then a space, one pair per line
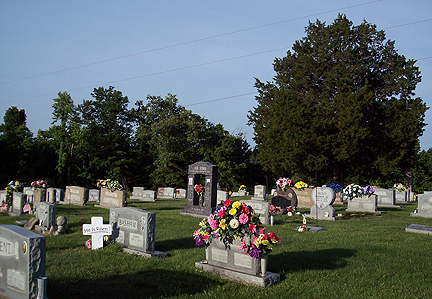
234, 223
290, 214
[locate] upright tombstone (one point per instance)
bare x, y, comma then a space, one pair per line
304, 198
110, 199
75, 195
424, 206
22, 262
39, 195
148, 195
94, 195
59, 194
180, 193
45, 212
323, 198
137, 193
29, 191
385, 197
50, 195
365, 203
259, 192
2, 196
166, 192
18, 201
401, 196
284, 199
221, 196
193, 206
261, 208
135, 230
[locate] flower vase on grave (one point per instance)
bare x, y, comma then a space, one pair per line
264, 261
201, 200
271, 219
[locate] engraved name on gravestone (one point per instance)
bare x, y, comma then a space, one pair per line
365, 203
261, 208
424, 206
45, 212
259, 192
137, 193
110, 199
149, 195
385, 197
22, 262
135, 229
323, 198
75, 195
166, 192
401, 196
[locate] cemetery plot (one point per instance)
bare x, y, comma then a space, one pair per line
364, 203
75, 195
109, 199
22, 262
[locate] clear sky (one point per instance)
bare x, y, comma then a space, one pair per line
207, 53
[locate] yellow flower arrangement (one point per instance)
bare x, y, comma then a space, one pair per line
301, 185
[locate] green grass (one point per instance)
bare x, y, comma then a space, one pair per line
366, 257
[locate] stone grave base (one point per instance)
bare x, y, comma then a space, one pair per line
145, 253
311, 228
258, 280
424, 215
418, 228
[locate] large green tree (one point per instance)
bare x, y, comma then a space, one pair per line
343, 93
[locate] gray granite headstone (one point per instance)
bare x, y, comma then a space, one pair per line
424, 206
166, 192
94, 194
180, 193
111, 199
148, 195
401, 196
22, 262
221, 196
135, 229
364, 203
323, 198
18, 201
259, 192
2, 196
59, 194
39, 195
385, 197
75, 195
137, 193
50, 195
45, 212
261, 208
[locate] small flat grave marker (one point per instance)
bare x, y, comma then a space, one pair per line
419, 228
97, 230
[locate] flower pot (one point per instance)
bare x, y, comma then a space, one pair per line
264, 260
271, 219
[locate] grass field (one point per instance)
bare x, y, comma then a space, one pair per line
366, 257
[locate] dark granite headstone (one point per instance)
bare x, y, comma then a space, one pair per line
284, 199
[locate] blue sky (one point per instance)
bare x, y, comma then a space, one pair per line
207, 53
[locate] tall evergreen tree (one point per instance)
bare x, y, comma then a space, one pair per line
343, 93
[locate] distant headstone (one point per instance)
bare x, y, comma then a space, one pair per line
148, 195
424, 206
135, 230
97, 230
111, 199
39, 195
166, 192
75, 195
137, 193
284, 199
94, 195
419, 228
50, 195
2, 196
18, 201
261, 208
304, 198
259, 192
364, 203
323, 198
221, 196
29, 191
180, 193
401, 196
45, 212
59, 194
385, 197
22, 262
193, 206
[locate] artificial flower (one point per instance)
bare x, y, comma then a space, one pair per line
243, 218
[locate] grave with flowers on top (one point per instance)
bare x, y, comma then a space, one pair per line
361, 199
112, 194
237, 245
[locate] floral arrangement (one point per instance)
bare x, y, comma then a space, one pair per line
351, 191
302, 228
13, 186
39, 184
399, 187
199, 189
290, 211
301, 185
109, 184
283, 183
336, 187
242, 188
274, 209
88, 243
367, 190
235, 220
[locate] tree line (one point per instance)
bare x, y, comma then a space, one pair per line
341, 109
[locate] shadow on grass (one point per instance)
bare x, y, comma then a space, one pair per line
156, 283
310, 260
184, 243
